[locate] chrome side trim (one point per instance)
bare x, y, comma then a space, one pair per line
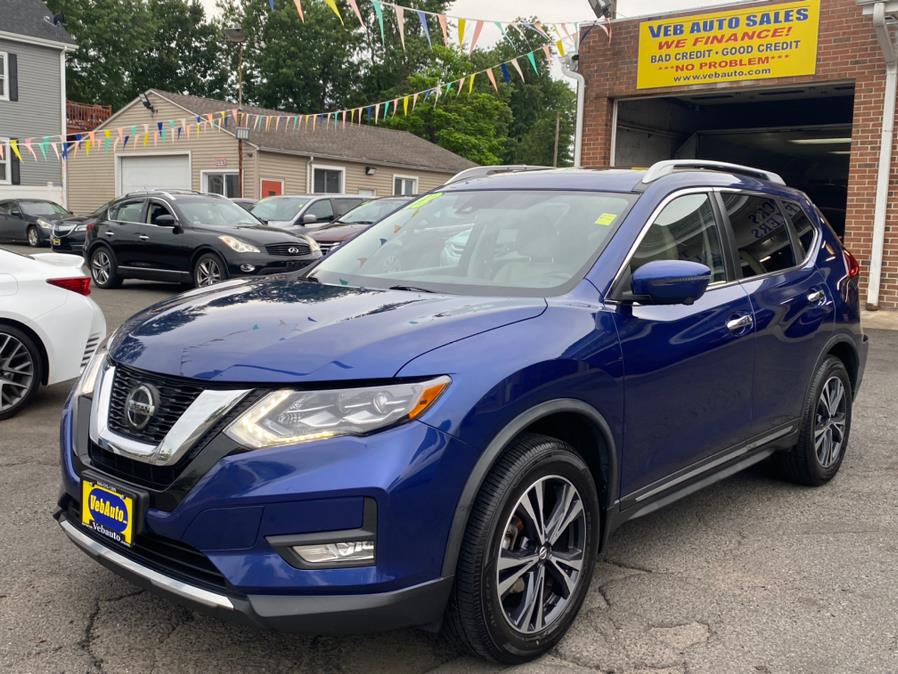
704, 468
203, 413
101, 552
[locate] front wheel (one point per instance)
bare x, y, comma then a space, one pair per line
528, 554
821, 447
32, 236
209, 270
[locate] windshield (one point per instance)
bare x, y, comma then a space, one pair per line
371, 212
219, 212
481, 242
38, 208
279, 209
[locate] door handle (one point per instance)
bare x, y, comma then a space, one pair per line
108, 233
739, 323
144, 237
817, 297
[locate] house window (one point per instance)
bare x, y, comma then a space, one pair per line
225, 183
4, 76
5, 162
327, 180
405, 185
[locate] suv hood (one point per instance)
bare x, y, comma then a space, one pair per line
259, 234
338, 232
286, 329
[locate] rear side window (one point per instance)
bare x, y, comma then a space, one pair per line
762, 240
801, 223
685, 230
127, 211
321, 210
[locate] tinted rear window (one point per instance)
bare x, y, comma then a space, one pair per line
763, 244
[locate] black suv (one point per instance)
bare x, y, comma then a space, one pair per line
187, 237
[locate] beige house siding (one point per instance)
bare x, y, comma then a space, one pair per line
92, 179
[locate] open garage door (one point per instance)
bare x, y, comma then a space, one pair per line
802, 133
154, 172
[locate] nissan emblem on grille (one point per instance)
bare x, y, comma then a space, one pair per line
140, 406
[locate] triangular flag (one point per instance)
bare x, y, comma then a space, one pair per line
567, 32
547, 52
333, 5
422, 19
461, 83
298, 3
539, 29
471, 82
532, 59
400, 22
414, 100
441, 18
379, 11
476, 36
14, 146
405, 105
492, 78
514, 63
386, 109
31, 149
376, 112
505, 74
501, 28
55, 150
461, 32
344, 120
43, 146
560, 46
1, 151
358, 14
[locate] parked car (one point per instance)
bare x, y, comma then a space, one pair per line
49, 327
357, 220
294, 213
68, 235
354, 448
245, 204
187, 237
29, 220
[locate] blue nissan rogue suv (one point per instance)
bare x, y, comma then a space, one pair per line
398, 437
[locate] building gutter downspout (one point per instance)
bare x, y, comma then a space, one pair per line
885, 153
568, 67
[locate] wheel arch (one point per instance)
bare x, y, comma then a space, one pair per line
201, 250
42, 350
843, 347
568, 419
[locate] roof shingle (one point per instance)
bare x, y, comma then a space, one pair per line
30, 18
360, 143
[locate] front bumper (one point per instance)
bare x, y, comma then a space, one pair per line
321, 614
263, 265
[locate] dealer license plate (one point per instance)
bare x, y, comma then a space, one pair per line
107, 511
55, 241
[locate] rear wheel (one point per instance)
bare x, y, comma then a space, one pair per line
209, 270
103, 268
528, 553
32, 236
20, 370
817, 457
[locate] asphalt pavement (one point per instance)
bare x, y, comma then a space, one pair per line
751, 575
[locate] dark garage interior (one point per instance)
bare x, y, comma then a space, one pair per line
802, 133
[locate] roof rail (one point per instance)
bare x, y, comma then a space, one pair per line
484, 171
663, 168
168, 192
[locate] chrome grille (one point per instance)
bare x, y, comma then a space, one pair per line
283, 249
174, 396
328, 246
90, 348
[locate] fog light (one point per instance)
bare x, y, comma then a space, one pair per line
341, 552
247, 268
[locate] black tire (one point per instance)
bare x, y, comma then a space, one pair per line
18, 354
204, 266
32, 236
812, 461
476, 616
104, 268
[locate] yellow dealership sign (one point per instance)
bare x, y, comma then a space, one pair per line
749, 43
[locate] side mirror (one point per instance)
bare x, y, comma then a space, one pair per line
166, 220
669, 282
309, 219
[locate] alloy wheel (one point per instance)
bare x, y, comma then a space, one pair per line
830, 421
208, 272
16, 371
101, 267
541, 556
33, 239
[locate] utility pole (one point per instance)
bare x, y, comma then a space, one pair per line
557, 134
238, 36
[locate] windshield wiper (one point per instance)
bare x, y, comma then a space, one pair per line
413, 289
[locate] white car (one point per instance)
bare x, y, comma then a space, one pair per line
49, 327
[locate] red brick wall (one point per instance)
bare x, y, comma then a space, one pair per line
847, 51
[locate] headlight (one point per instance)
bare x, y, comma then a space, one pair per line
88, 380
43, 224
237, 245
288, 417
81, 228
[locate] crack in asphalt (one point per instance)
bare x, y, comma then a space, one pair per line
86, 642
